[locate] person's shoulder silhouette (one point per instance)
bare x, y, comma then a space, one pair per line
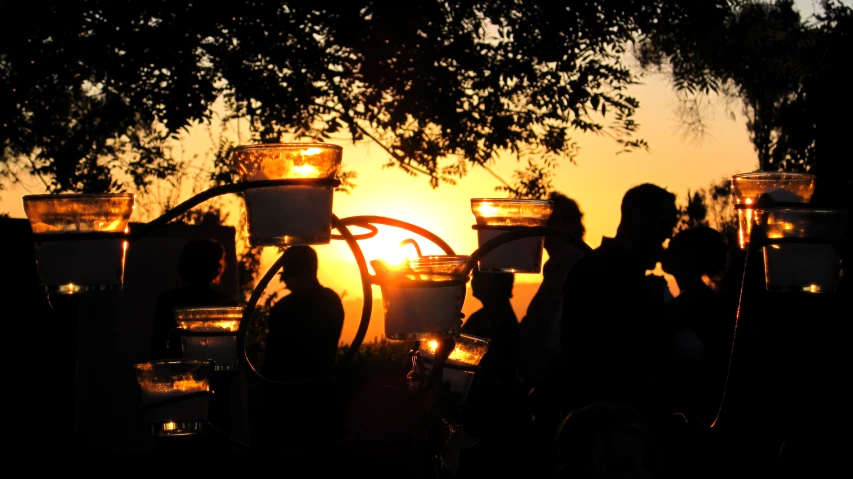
305, 326
200, 266
611, 326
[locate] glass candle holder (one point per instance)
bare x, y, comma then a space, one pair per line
496, 216
469, 351
422, 297
801, 248
70, 266
781, 187
213, 334
292, 214
175, 384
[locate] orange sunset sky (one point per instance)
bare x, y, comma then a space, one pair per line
597, 182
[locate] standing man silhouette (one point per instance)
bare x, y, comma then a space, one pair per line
613, 323
304, 333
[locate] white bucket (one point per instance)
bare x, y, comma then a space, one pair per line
523, 255
76, 266
288, 215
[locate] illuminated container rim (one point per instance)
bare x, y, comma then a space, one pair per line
210, 313
753, 178
287, 146
47, 202
172, 362
501, 205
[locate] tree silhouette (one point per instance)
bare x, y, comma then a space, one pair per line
92, 89
790, 75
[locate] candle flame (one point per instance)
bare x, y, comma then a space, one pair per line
305, 170
486, 210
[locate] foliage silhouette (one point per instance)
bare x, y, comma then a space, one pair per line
95, 88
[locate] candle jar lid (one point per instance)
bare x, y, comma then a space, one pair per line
781, 186
79, 213
209, 319
276, 161
511, 211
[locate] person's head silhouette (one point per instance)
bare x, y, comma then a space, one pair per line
299, 269
566, 216
492, 288
649, 215
694, 253
201, 262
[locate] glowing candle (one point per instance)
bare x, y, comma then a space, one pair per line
496, 216
781, 187
293, 214
77, 266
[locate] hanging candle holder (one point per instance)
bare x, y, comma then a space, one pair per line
210, 333
461, 365
80, 240
781, 187
422, 297
496, 216
801, 248
298, 209
175, 395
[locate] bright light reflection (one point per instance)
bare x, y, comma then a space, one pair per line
305, 170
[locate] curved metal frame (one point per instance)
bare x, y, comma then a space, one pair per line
366, 222
366, 311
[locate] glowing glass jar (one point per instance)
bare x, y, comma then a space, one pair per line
781, 187
469, 351
79, 264
422, 297
289, 214
175, 395
801, 248
211, 333
496, 216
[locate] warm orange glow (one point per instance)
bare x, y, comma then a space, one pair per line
210, 326
287, 160
511, 212
69, 288
469, 349
179, 386
307, 171
210, 319
79, 213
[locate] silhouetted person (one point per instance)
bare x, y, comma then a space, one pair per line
489, 412
540, 327
200, 266
304, 334
700, 326
613, 335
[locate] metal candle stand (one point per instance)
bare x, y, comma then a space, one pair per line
782, 365
341, 225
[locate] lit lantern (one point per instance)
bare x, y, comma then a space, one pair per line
801, 248
69, 266
290, 214
422, 297
211, 333
496, 216
468, 353
175, 395
781, 187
